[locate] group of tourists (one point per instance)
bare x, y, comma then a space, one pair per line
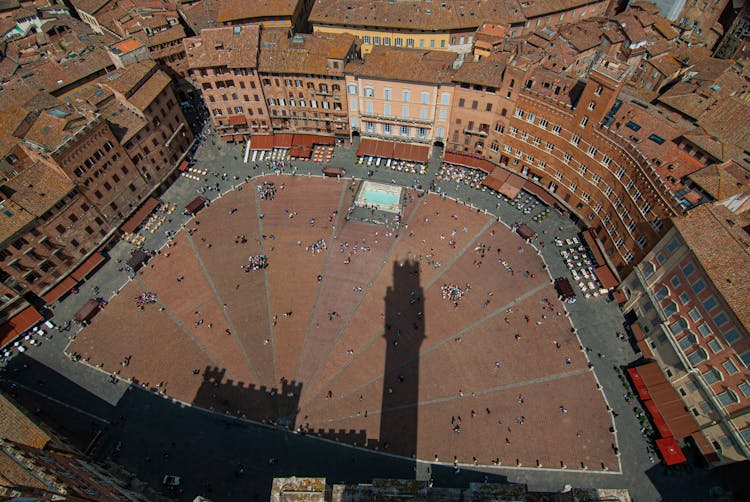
144, 299
257, 262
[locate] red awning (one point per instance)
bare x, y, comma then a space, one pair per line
512, 186
496, 179
385, 149
183, 165
323, 140
134, 221
606, 277
640, 387
366, 147
658, 419
588, 236
419, 153
62, 287
17, 324
283, 140
670, 451
667, 401
540, 193
237, 120
261, 142
461, 159
87, 266
302, 140
300, 151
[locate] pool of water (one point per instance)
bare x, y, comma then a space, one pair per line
375, 196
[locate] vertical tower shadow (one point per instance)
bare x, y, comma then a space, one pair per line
404, 332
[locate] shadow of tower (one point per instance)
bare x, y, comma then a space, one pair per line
404, 332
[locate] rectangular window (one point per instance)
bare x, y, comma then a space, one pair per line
710, 303
720, 319
404, 130
556, 129
542, 123
698, 286
425, 98
715, 346
405, 96
704, 329
575, 139
387, 128
351, 89
387, 94
405, 111
688, 269
732, 335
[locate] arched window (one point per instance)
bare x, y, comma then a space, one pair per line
662, 292
699, 355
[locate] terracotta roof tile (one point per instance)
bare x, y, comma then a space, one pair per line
18, 428
416, 15
236, 10
54, 127
302, 54
721, 181
233, 47
200, 15
13, 473
717, 239
406, 65
12, 218
487, 72
39, 187
582, 36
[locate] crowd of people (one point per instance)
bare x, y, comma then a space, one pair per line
452, 292
257, 262
144, 299
317, 247
267, 190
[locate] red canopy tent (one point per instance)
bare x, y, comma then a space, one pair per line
640, 387
670, 451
